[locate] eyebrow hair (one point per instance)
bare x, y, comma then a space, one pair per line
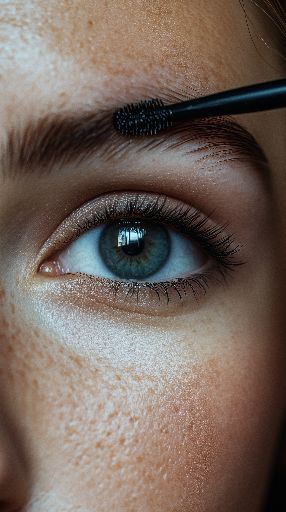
43, 145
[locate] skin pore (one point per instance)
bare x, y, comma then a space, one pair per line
107, 406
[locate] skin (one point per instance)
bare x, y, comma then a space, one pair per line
105, 409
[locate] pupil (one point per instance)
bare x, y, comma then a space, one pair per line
133, 248
131, 240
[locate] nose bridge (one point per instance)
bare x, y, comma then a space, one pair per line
14, 485
13, 471
13, 482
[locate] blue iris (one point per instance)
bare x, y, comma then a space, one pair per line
134, 249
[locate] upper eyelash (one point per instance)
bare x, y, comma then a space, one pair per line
186, 219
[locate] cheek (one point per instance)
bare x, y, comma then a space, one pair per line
127, 441
106, 436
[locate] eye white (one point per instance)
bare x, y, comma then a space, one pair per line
83, 255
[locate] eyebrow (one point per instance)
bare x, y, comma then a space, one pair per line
44, 145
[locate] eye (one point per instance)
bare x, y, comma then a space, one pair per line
134, 246
133, 250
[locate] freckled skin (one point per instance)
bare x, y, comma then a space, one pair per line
95, 422
103, 417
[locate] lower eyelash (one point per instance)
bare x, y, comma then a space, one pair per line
165, 293
180, 286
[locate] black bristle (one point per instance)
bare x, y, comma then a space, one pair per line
144, 118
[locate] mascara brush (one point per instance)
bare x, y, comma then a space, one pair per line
152, 116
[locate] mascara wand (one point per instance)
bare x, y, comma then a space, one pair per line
152, 116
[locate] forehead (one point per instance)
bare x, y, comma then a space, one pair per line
68, 52
114, 35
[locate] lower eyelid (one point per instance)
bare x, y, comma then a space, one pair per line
163, 298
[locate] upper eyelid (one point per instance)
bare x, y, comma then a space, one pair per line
85, 211
90, 215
